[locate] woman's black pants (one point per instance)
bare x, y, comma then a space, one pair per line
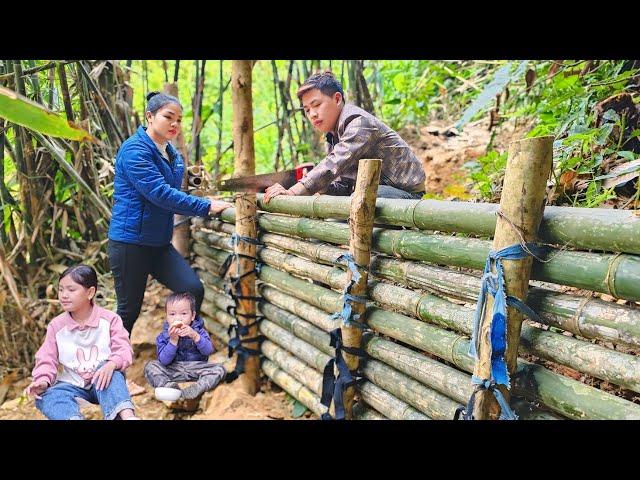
132, 264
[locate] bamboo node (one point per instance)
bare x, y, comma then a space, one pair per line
610, 279
574, 323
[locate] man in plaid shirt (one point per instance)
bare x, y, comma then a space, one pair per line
352, 134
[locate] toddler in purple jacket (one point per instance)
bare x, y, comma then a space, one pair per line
184, 347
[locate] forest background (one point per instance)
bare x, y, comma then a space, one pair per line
55, 193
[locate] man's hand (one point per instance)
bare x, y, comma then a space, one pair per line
218, 206
102, 378
187, 331
274, 191
35, 389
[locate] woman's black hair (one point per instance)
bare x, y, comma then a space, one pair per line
157, 100
83, 275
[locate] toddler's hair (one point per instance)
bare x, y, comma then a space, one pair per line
179, 296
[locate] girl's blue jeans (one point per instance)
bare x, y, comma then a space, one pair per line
59, 401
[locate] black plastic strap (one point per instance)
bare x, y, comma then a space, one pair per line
333, 388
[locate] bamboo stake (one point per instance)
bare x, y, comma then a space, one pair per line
522, 202
361, 223
245, 205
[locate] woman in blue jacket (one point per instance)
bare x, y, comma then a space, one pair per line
146, 195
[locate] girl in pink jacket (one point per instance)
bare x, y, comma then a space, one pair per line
84, 353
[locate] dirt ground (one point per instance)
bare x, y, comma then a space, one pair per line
226, 402
443, 151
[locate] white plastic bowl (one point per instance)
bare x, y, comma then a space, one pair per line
168, 394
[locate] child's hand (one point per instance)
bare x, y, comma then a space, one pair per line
34, 390
102, 378
187, 331
173, 334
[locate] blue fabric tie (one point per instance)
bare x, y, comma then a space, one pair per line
494, 284
349, 319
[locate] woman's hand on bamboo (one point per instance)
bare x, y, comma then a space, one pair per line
217, 206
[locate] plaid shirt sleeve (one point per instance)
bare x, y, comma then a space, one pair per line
358, 137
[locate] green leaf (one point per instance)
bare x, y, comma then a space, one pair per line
298, 409
500, 80
22, 111
627, 155
393, 101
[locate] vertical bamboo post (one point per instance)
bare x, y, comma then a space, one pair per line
522, 202
244, 165
180, 239
361, 215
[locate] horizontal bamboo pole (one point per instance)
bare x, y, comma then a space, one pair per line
617, 275
579, 228
584, 316
563, 395
431, 373
362, 412
295, 345
387, 404
293, 387
215, 327
295, 367
616, 367
400, 385
306, 397
610, 365
428, 401
227, 227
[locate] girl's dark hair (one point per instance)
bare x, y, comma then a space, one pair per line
83, 275
157, 100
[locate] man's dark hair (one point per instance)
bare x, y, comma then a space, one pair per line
179, 296
325, 82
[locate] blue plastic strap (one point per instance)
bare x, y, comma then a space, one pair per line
493, 283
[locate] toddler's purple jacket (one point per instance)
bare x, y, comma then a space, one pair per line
187, 350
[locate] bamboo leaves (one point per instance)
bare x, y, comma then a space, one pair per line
22, 111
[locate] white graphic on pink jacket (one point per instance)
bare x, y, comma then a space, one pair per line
86, 368
80, 348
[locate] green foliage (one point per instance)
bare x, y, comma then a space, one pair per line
562, 105
487, 173
22, 111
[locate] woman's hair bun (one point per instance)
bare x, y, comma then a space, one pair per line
150, 95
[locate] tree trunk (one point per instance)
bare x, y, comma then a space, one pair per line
180, 239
